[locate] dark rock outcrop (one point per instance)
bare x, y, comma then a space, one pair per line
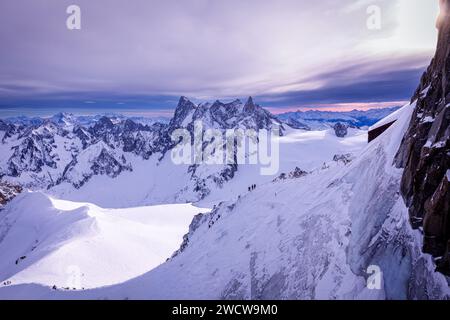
340, 130
249, 106
343, 158
105, 163
32, 154
255, 117
7, 192
296, 124
183, 109
295, 174
425, 151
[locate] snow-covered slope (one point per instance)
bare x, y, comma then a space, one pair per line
79, 245
310, 237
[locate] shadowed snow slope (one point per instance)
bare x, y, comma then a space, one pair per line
311, 237
67, 244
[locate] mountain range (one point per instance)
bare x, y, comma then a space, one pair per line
320, 120
97, 211
68, 150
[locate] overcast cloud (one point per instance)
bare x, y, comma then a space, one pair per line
144, 53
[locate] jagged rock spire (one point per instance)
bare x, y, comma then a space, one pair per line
249, 105
183, 108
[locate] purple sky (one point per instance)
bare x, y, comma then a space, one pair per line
143, 54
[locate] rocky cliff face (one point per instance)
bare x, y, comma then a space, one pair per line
425, 151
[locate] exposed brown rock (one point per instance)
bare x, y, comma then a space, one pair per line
425, 150
8, 192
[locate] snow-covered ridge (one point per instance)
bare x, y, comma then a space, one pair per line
80, 245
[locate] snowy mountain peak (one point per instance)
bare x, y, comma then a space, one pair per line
105, 122
249, 106
63, 119
102, 126
183, 109
183, 100
220, 115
